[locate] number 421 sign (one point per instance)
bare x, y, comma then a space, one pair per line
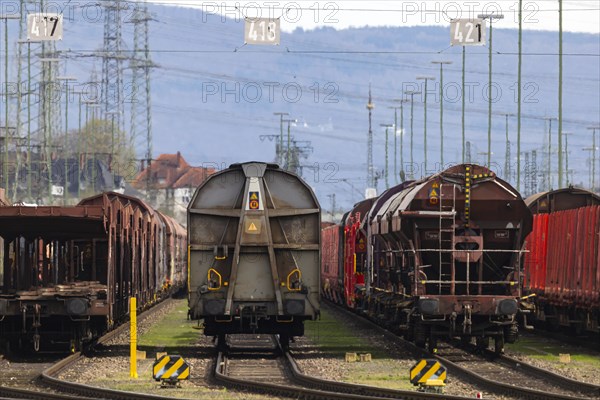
467, 32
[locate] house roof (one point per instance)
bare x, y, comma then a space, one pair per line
171, 171
193, 177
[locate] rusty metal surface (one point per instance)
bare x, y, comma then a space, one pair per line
488, 213
331, 262
175, 252
561, 199
103, 251
444, 256
35, 221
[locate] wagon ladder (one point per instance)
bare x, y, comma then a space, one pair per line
447, 231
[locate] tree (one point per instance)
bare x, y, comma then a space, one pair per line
98, 140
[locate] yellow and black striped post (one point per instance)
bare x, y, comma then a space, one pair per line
428, 373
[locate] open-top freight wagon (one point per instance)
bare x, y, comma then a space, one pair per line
562, 267
254, 252
68, 272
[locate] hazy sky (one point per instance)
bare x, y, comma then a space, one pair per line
578, 16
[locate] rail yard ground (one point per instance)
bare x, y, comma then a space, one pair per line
321, 353
577, 362
170, 332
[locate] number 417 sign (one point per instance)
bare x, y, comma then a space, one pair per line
262, 31
44, 27
467, 32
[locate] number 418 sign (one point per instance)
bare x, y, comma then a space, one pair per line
44, 27
467, 32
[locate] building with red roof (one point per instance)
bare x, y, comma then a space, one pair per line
169, 182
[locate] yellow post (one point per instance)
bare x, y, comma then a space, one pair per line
133, 336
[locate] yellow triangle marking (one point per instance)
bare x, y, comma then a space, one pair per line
253, 196
433, 193
252, 227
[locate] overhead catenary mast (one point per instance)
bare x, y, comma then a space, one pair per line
370, 172
112, 61
141, 66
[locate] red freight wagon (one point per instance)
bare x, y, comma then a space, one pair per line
563, 264
330, 263
535, 259
355, 252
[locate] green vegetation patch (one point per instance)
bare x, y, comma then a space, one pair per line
172, 332
381, 374
334, 337
537, 348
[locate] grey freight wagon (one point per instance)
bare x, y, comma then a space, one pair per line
254, 252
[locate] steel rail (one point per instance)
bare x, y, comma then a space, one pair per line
317, 388
72, 390
492, 386
505, 388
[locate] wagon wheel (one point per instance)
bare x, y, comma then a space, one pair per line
432, 344
499, 345
421, 334
578, 326
482, 343
284, 340
511, 333
221, 340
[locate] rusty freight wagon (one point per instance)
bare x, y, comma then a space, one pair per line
68, 272
443, 258
331, 262
562, 267
254, 246
451, 258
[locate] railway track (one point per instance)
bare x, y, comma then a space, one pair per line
42, 383
509, 376
257, 364
502, 376
20, 377
587, 340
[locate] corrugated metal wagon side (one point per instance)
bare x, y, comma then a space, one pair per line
563, 266
254, 251
331, 263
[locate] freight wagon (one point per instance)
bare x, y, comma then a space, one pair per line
563, 265
443, 257
68, 272
254, 252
